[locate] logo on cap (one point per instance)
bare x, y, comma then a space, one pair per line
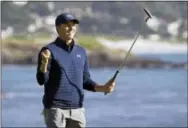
69, 16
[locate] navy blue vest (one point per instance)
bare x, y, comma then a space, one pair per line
65, 85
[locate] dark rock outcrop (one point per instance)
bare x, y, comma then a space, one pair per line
27, 55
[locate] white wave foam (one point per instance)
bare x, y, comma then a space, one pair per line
11, 95
145, 46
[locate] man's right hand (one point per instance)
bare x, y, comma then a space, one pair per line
45, 55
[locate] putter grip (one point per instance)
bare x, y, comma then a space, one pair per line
113, 78
115, 75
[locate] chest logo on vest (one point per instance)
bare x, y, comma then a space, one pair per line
78, 56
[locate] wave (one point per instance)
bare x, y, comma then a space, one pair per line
145, 46
11, 95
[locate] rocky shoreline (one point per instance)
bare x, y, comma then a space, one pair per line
27, 54
97, 60
103, 60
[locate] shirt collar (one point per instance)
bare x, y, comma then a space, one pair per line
61, 43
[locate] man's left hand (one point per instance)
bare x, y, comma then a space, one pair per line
106, 88
109, 86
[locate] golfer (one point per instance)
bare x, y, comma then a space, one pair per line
63, 70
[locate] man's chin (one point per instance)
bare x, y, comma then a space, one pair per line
70, 37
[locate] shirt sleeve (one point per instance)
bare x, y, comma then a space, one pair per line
42, 78
89, 84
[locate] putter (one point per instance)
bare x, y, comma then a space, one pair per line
122, 63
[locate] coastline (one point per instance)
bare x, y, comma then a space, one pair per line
101, 60
109, 55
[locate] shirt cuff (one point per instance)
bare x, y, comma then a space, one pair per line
90, 85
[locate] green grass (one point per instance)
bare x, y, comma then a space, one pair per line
88, 42
30, 38
112, 37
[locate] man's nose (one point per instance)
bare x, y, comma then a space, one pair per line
70, 27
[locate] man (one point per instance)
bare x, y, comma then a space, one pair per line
63, 70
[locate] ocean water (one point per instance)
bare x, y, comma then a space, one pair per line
169, 57
142, 98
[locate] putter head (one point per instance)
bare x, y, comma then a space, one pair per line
148, 14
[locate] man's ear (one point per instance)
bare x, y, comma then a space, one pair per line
57, 29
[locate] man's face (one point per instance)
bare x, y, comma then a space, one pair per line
67, 30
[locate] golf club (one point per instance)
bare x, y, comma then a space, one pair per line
122, 63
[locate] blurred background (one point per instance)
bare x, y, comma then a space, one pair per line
151, 90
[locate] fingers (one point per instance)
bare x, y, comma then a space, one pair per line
113, 83
46, 54
110, 87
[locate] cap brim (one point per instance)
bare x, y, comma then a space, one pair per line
75, 21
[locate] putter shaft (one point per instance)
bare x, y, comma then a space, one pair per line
122, 63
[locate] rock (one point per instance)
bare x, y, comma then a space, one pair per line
26, 54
